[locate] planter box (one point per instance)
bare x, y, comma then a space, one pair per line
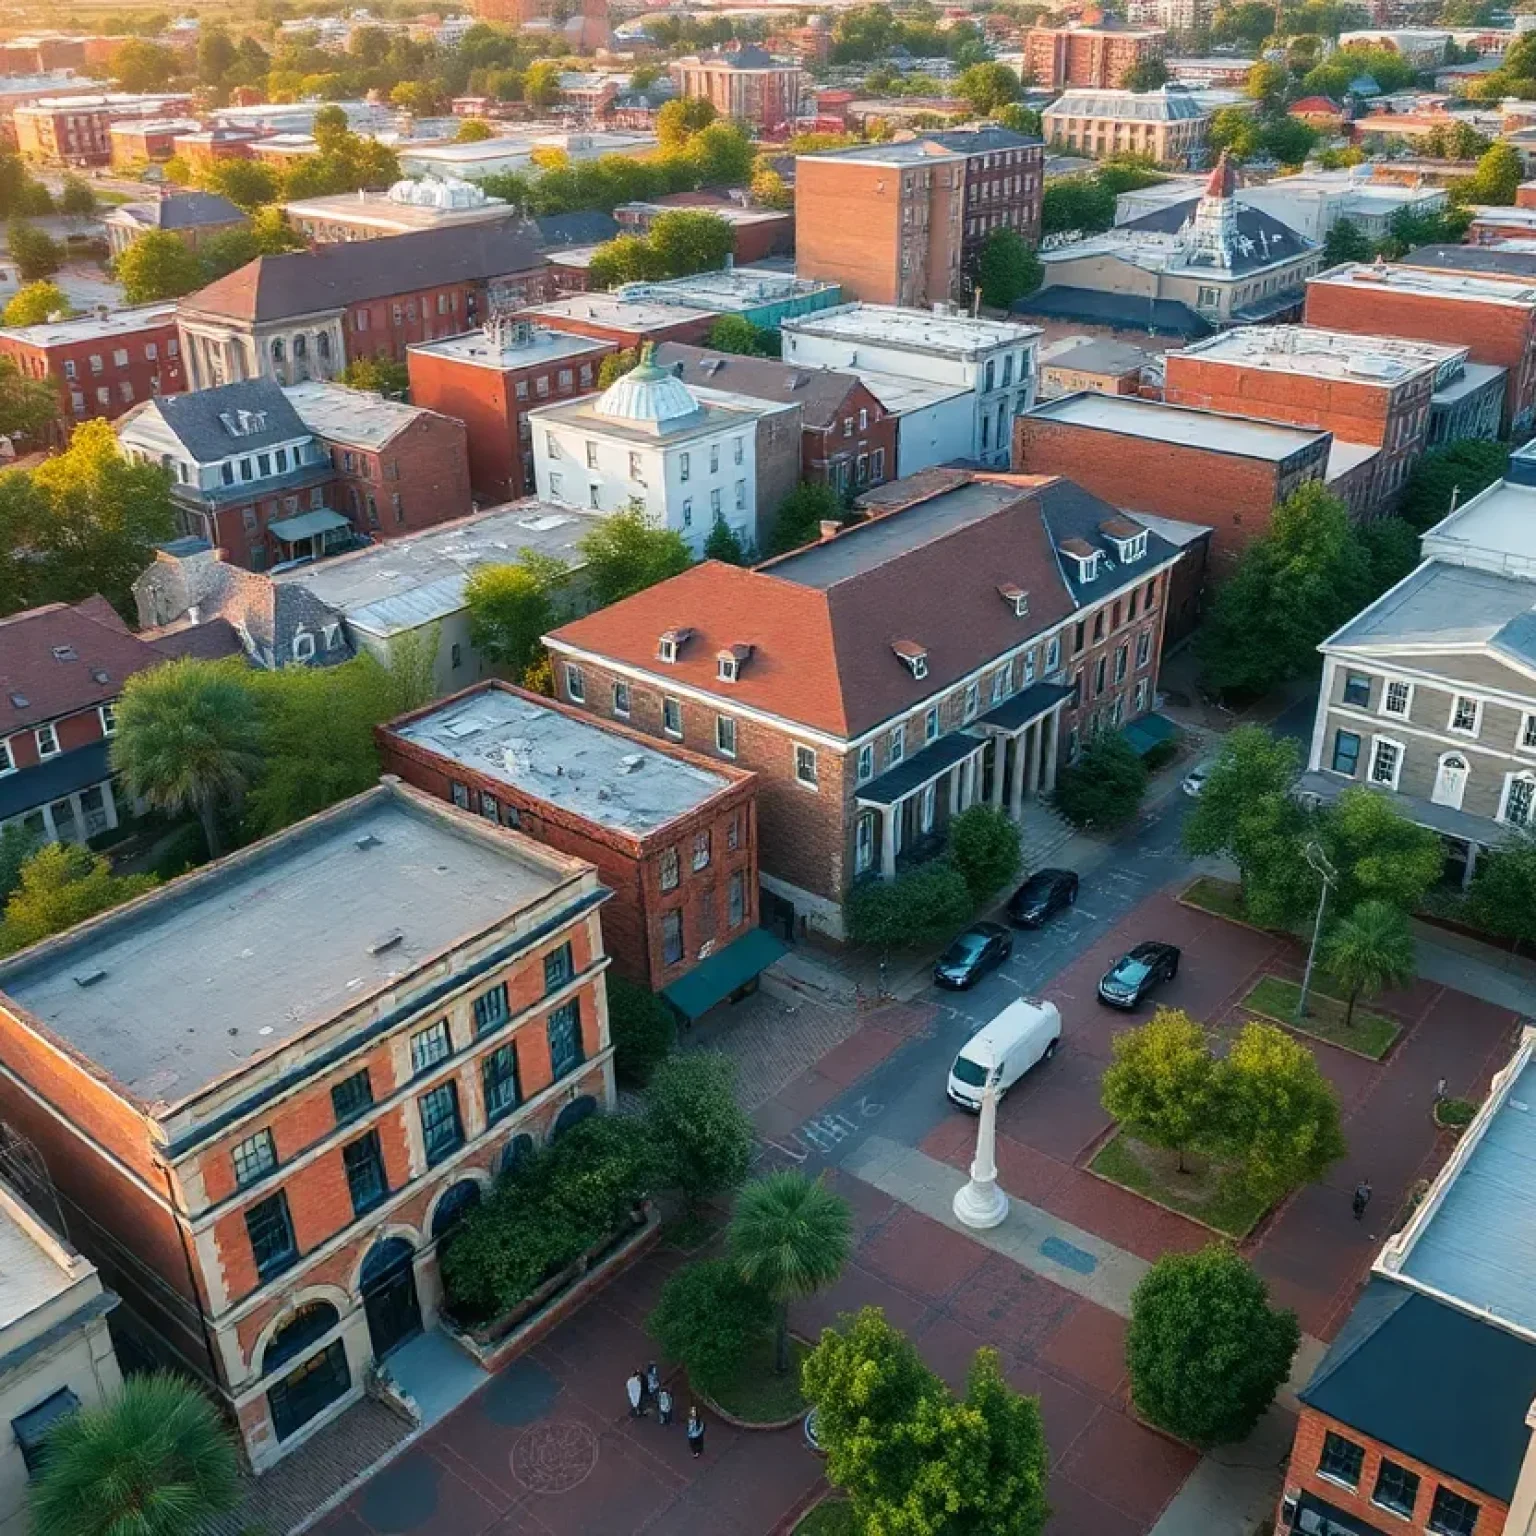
495, 1343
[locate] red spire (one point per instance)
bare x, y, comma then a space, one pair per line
1223, 180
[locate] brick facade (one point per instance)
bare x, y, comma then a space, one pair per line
420, 477
1058, 57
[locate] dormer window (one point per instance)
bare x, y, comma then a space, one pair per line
728, 664
913, 655
1129, 539
672, 641
1016, 598
1084, 557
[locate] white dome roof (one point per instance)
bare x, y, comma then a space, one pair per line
649, 395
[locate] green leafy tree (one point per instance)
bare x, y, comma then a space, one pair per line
987, 87
273, 233
1234, 130
702, 1136
189, 738
35, 303
60, 885
1370, 950
615, 365
724, 544
473, 130
709, 1319
216, 54
1079, 203
1147, 75
1287, 139
1007, 269
1019, 118
625, 554
643, 1029
1499, 171
1279, 1117
248, 184
380, 375
769, 189
984, 848
1453, 474
1378, 852
737, 334
511, 608
17, 845
1161, 1085
1103, 788
790, 1236
801, 515
28, 406
919, 906
158, 265
541, 84
227, 252
35, 252
156, 1460
1205, 1351
686, 240
1267, 84
679, 120
624, 259
139, 66
722, 154
76, 197
1503, 895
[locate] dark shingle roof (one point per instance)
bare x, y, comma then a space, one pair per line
1433, 1382
189, 210
198, 419
1125, 311
819, 392
587, 227
978, 141
1473, 258
1264, 240
1074, 515
333, 276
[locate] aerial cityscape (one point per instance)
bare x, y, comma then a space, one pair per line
769, 768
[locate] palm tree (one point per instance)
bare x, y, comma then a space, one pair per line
1369, 951
791, 1236
154, 1461
188, 739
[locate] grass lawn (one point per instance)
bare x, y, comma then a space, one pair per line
1224, 898
1202, 1193
1276, 998
832, 1517
758, 1396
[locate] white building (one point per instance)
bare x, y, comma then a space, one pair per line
513, 151
406, 207
686, 457
994, 362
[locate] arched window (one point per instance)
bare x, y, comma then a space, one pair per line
323, 346
298, 1333
454, 1207
299, 345
573, 1114
277, 350
515, 1153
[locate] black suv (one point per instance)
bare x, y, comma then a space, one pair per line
1042, 896
981, 947
1133, 976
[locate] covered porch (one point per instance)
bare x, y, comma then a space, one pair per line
312, 535
1005, 759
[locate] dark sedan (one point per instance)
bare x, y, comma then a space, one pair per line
1128, 981
978, 950
1042, 896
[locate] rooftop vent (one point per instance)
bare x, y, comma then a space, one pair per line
387, 942
65, 653
1016, 598
366, 841
18, 701
101, 676
672, 641
90, 978
631, 762
915, 656
728, 663
712, 365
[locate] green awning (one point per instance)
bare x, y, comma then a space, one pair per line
307, 524
1148, 732
741, 961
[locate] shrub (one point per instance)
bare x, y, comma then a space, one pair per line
643, 1030
984, 847
702, 1136
709, 1319
1102, 790
919, 907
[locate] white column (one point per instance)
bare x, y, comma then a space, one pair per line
954, 790
1471, 866
999, 765
1023, 761
888, 841
1052, 751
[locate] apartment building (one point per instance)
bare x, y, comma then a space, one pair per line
1096, 50
745, 85
1167, 125
950, 650
291, 1072
76, 130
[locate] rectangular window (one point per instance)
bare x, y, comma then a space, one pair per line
1528, 734
621, 699
1346, 752
725, 735
1100, 669
682, 466
591, 455
805, 766
491, 1009
559, 968
865, 763
1520, 800
635, 470
1395, 699
733, 831
972, 700
669, 870
430, 1046
1452, 1515
498, 1080
931, 724
107, 714
565, 1039
1386, 759
1143, 647
441, 1130
1357, 689
270, 1230
671, 936
672, 717
1122, 658
714, 458
253, 1157
1341, 1460
736, 899
1465, 713
364, 1162
701, 850
351, 1096
1053, 653
1396, 1489
47, 741
896, 745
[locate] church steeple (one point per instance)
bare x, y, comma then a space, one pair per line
1213, 231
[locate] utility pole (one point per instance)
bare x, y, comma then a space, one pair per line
1319, 862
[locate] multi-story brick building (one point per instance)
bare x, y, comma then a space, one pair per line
903, 223
673, 834
307, 314
1375, 392
1167, 125
847, 438
1225, 472
146, 140
76, 130
948, 651
626, 323
490, 379
745, 84
1492, 316
206, 147
102, 364
1419, 1416
391, 1000
1096, 50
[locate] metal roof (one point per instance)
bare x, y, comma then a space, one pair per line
1182, 426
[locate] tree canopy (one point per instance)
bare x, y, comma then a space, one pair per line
1007, 269
625, 554
35, 303
158, 265
1161, 1084
511, 607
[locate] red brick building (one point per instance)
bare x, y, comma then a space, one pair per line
206, 147
673, 835
152, 138
1492, 316
394, 1000
758, 232
1096, 50
744, 84
489, 379
848, 439
76, 130
102, 364
624, 322
892, 675
307, 314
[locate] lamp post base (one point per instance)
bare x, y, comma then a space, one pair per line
981, 1205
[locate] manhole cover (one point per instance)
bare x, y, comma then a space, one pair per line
554, 1457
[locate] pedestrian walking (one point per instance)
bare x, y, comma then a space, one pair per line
663, 1407
635, 1387
652, 1380
1362, 1199
1440, 1090
695, 1432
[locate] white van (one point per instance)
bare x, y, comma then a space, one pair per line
1024, 1033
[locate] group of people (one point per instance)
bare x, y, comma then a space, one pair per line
644, 1388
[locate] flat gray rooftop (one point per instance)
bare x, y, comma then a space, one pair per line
1479, 1245
1443, 606
1184, 426
885, 538
596, 774
224, 966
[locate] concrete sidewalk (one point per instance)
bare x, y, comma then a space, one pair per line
1468, 965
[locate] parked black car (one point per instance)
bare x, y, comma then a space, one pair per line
1042, 896
1133, 976
978, 950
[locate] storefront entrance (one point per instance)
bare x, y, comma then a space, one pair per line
389, 1295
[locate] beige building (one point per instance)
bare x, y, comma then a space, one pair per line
1168, 125
745, 84
55, 1352
405, 208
